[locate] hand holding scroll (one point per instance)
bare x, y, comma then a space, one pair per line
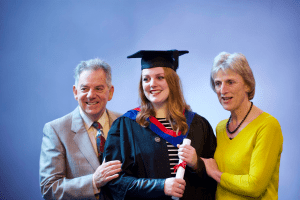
188, 154
184, 159
174, 187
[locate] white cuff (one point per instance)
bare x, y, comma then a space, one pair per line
96, 190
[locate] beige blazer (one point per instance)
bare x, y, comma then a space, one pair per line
68, 160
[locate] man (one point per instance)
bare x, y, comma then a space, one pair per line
70, 165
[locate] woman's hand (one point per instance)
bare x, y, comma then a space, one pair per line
212, 169
188, 154
174, 187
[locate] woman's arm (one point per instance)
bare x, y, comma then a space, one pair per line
212, 169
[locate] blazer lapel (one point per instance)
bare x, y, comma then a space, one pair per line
82, 140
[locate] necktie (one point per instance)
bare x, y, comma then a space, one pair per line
99, 139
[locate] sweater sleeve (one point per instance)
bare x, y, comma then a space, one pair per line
265, 157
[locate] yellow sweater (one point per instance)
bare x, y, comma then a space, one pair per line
250, 161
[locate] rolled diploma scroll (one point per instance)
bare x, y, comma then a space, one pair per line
180, 171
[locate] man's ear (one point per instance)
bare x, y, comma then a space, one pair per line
75, 92
111, 92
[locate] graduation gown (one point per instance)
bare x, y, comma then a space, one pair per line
145, 160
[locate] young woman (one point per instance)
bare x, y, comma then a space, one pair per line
147, 140
247, 157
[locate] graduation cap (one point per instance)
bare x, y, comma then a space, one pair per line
151, 59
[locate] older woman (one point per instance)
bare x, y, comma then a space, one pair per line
147, 139
247, 158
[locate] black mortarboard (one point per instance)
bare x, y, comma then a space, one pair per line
151, 59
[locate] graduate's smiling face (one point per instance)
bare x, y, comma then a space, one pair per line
155, 86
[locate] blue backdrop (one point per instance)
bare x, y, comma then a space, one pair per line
41, 42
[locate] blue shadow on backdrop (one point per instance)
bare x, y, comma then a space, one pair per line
41, 42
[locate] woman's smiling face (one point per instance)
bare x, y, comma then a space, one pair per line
155, 86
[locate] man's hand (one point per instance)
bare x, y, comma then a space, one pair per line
106, 172
174, 187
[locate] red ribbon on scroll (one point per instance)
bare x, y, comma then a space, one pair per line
182, 164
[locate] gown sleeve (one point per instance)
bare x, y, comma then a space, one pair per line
204, 141
120, 145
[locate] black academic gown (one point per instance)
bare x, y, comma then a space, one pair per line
144, 156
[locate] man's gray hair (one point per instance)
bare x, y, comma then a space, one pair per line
93, 64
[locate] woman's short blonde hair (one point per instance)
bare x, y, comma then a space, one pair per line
236, 62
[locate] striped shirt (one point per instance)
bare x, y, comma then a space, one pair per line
172, 150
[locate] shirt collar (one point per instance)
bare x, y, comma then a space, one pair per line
88, 122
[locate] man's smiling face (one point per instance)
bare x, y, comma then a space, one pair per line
92, 93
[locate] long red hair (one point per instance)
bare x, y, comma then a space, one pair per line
175, 103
